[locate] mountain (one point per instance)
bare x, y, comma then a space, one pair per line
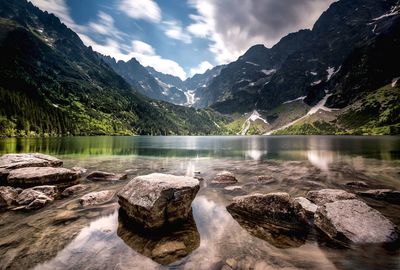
160, 86
52, 84
350, 53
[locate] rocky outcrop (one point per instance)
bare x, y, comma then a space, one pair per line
32, 199
11, 162
353, 221
96, 198
308, 207
69, 191
8, 196
224, 177
323, 196
156, 200
105, 176
388, 195
34, 176
274, 208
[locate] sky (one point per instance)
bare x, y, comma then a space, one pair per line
183, 37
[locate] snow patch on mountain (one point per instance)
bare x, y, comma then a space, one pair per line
252, 63
268, 71
252, 118
392, 12
316, 83
293, 100
394, 81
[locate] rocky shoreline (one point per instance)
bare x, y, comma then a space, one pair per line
160, 204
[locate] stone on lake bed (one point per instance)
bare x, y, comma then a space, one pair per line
33, 199
224, 177
356, 184
74, 189
275, 208
47, 190
34, 176
323, 196
96, 198
105, 176
353, 221
156, 200
388, 195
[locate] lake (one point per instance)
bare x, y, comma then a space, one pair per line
64, 235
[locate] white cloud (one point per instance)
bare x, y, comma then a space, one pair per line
233, 26
141, 9
201, 68
173, 29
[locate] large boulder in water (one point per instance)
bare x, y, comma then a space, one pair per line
323, 196
353, 221
156, 200
15, 161
33, 176
274, 208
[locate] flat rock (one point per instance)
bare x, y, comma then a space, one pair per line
353, 221
69, 191
34, 176
224, 177
105, 176
307, 206
8, 196
388, 195
323, 196
266, 179
95, 198
156, 199
274, 208
32, 199
10, 162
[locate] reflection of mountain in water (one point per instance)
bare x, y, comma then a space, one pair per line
164, 247
277, 236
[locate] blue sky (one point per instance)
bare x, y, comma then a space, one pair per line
182, 37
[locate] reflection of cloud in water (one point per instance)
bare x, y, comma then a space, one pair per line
255, 154
321, 159
98, 240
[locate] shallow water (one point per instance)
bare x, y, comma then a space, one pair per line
64, 235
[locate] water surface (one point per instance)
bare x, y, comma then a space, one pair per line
64, 235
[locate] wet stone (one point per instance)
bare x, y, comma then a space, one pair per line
156, 199
323, 196
96, 198
353, 221
388, 195
8, 196
105, 176
74, 190
224, 178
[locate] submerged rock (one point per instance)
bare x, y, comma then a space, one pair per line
165, 246
235, 190
41, 175
15, 161
323, 196
266, 179
353, 221
50, 191
156, 200
274, 208
8, 196
308, 207
224, 177
69, 191
79, 170
33, 199
388, 195
356, 184
95, 198
105, 176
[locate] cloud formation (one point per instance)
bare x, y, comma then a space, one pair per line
174, 30
201, 68
141, 9
233, 26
